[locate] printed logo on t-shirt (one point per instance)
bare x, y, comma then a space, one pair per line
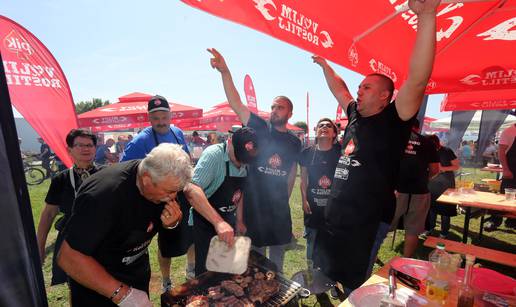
273, 163
410, 150
324, 182
236, 197
350, 147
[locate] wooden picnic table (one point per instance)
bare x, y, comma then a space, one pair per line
476, 199
381, 277
492, 169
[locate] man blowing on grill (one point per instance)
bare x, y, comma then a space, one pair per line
362, 193
116, 214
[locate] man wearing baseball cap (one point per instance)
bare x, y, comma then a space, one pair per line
221, 172
173, 243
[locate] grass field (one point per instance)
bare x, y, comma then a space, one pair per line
503, 239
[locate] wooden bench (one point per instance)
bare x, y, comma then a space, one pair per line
477, 251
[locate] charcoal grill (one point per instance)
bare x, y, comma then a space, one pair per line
288, 288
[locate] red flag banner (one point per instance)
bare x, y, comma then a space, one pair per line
479, 100
37, 86
250, 94
359, 34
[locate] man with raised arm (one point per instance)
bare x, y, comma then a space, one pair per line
272, 174
362, 193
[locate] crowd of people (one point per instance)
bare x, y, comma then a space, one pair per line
352, 193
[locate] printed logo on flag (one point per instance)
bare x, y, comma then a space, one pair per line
381, 68
324, 182
493, 76
15, 43
294, 22
353, 55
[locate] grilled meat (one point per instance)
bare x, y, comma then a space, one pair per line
197, 301
232, 287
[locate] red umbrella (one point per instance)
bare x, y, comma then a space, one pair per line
131, 112
475, 40
480, 100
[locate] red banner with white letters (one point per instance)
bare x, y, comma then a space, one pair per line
476, 40
37, 86
250, 94
479, 100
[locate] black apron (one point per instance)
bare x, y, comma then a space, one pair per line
175, 242
225, 201
319, 183
511, 162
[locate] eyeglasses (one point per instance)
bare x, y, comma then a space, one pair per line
89, 146
327, 125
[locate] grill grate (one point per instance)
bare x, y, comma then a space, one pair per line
288, 288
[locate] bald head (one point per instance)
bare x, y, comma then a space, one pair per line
386, 84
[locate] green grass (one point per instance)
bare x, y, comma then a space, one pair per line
503, 239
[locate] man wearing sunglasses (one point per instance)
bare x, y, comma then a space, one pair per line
271, 176
362, 192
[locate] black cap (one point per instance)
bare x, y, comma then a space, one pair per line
158, 103
245, 144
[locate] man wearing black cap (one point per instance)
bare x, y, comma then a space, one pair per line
172, 243
221, 172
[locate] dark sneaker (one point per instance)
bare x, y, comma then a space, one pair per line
166, 285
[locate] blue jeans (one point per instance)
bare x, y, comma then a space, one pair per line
381, 233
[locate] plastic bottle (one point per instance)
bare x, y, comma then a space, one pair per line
466, 294
438, 279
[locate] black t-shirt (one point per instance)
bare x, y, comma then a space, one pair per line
266, 209
320, 166
446, 155
113, 223
362, 193
62, 194
417, 156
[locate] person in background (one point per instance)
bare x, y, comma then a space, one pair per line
362, 192
170, 243
212, 138
419, 163
44, 156
197, 140
61, 194
271, 176
465, 153
103, 154
507, 156
120, 145
490, 154
448, 164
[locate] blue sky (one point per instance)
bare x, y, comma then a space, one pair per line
111, 48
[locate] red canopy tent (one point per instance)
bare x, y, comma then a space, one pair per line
221, 118
131, 112
475, 39
479, 100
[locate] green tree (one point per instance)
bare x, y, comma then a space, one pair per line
301, 125
85, 106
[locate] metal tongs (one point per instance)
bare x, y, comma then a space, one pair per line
390, 300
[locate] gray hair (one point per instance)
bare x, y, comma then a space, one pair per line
167, 160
